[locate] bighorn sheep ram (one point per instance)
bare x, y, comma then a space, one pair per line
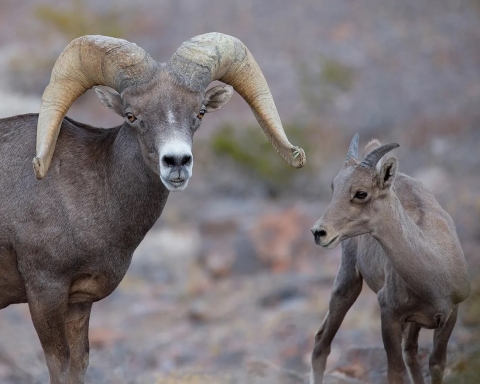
397, 238
66, 241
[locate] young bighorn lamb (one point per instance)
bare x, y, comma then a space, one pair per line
397, 238
66, 241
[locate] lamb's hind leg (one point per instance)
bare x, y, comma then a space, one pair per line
48, 300
438, 357
78, 316
410, 352
348, 285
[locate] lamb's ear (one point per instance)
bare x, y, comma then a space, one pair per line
388, 172
216, 97
110, 99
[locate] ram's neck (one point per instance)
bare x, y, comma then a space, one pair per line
136, 196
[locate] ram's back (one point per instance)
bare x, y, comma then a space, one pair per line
48, 207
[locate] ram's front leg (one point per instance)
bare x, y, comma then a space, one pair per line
78, 316
48, 300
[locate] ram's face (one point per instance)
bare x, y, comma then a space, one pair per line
165, 117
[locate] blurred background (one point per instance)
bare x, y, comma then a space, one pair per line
228, 287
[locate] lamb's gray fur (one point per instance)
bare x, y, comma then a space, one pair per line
397, 238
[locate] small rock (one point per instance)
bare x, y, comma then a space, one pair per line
219, 261
198, 311
274, 237
260, 371
279, 296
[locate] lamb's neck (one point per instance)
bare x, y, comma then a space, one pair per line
412, 253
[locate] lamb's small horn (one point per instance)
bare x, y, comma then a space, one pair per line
353, 149
373, 157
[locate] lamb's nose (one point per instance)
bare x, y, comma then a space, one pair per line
318, 232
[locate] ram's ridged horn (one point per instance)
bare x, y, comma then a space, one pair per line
353, 149
215, 56
373, 157
85, 62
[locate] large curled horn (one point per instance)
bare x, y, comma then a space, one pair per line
215, 56
373, 157
353, 149
85, 62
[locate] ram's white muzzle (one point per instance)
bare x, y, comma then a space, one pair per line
176, 163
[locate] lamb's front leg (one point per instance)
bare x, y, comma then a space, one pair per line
410, 351
392, 341
347, 287
438, 357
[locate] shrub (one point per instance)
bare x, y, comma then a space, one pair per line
251, 153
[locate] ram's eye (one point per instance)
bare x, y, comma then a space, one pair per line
201, 113
361, 195
131, 117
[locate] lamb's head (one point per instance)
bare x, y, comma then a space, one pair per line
359, 190
163, 103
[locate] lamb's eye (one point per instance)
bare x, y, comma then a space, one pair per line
131, 117
361, 195
201, 113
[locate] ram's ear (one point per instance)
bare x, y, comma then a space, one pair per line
110, 99
387, 173
216, 97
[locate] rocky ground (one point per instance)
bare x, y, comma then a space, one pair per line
228, 287
234, 295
